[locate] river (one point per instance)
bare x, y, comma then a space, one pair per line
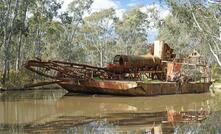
54, 111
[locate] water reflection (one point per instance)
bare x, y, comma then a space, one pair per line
28, 106
24, 111
90, 106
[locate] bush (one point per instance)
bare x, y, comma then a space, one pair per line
216, 73
18, 79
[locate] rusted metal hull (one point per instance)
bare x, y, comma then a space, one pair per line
130, 88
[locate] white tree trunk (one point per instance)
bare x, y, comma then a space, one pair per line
18, 47
211, 49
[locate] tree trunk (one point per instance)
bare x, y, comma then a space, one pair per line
210, 47
101, 58
18, 53
215, 55
38, 44
18, 48
5, 44
7, 40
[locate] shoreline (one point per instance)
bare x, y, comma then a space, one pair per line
216, 87
26, 89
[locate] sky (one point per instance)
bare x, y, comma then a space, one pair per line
122, 5
117, 3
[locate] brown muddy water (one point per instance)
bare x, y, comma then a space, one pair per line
52, 111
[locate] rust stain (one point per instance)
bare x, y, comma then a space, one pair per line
124, 74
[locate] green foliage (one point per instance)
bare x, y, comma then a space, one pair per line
193, 25
132, 30
35, 28
18, 79
216, 73
97, 34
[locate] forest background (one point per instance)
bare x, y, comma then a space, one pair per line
43, 29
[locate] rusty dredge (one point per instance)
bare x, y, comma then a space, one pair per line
156, 73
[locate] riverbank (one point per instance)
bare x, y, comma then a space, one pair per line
33, 88
216, 87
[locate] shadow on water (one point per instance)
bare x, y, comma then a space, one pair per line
51, 111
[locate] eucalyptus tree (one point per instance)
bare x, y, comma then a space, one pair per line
21, 29
98, 34
9, 19
43, 13
178, 34
207, 19
2, 15
34, 18
72, 20
17, 27
132, 30
194, 24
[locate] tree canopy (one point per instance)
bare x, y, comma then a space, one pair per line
194, 25
40, 29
